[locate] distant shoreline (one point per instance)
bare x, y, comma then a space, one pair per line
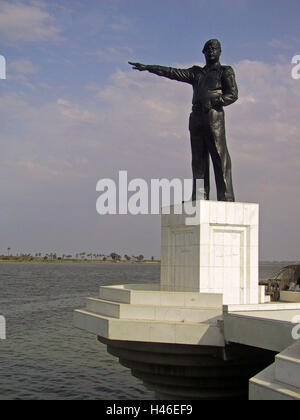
73, 261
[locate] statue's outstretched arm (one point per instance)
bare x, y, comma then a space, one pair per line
181, 75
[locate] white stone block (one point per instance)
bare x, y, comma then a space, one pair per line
230, 214
204, 234
163, 333
116, 294
247, 214
205, 212
218, 282
264, 387
174, 299
102, 307
205, 278
201, 334
90, 322
254, 235
203, 300
129, 330
213, 213
204, 256
287, 366
239, 214
145, 298
221, 213
137, 312
224, 240
261, 294
218, 238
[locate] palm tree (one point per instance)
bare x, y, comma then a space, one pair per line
115, 257
140, 258
8, 251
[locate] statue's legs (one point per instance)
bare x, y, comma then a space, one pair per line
208, 138
217, 146
200, 154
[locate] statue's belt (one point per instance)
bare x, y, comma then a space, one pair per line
207, 95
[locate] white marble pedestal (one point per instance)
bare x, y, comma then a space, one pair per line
215, 252
183, 336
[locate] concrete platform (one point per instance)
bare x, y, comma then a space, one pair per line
144, 313
281, 381
264, 387
268, 329
287, 366
205, 334
142, 294
178, 337
141, 315
153, 313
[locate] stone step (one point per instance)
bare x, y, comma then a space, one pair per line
265, 387
151, 295
150, 312
148, 330
287, 366
274, 306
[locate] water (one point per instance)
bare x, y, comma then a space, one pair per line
44, 357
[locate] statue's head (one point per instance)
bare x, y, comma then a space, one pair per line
212, 50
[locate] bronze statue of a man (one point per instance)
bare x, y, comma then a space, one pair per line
214, 87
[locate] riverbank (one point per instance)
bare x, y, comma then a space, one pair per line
72, 261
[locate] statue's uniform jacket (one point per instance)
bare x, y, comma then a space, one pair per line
214, 87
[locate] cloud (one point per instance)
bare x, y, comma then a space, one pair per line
27, 22
121, 24
21, 71
279, 44
111, 54
75, 113
23, 66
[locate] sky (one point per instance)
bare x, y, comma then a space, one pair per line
73, 112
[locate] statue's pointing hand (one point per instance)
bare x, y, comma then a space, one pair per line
138, 66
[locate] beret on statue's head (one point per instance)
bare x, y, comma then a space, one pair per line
214, 42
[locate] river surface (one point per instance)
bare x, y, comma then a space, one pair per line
44, 357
